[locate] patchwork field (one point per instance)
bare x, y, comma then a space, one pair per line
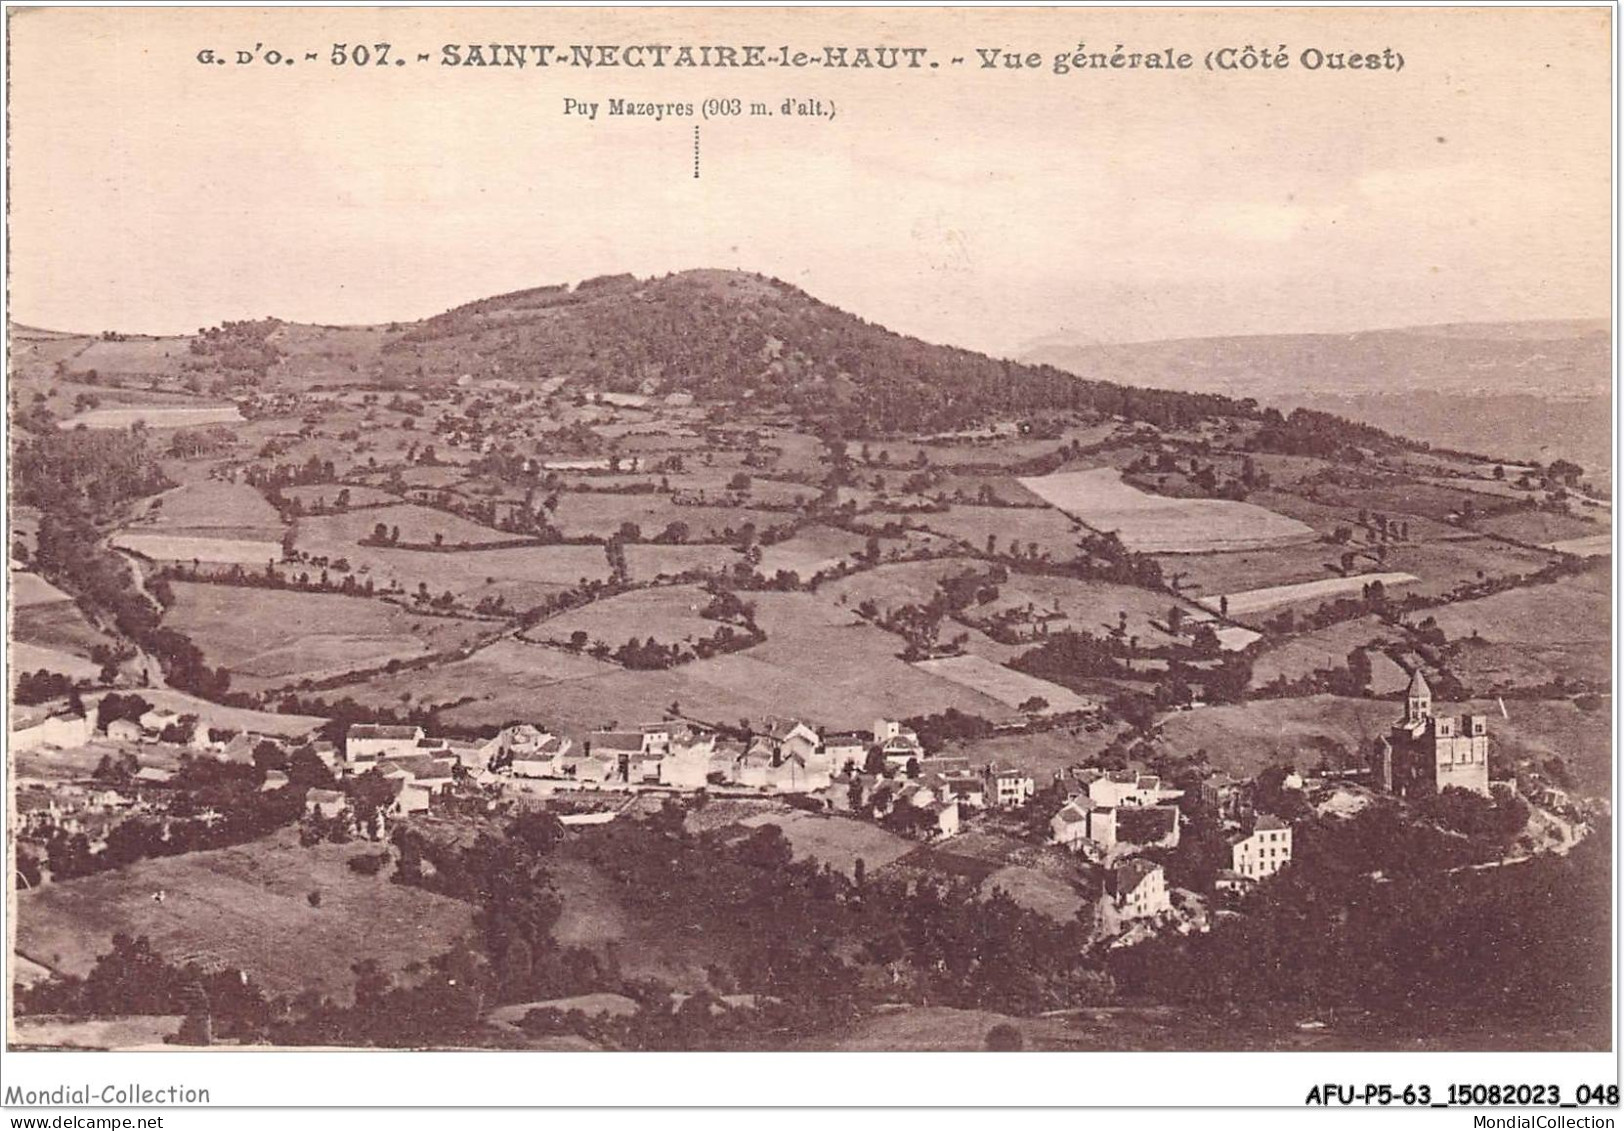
1156, 524
1005, 490
1203, 575
502, 679
818, 663
1011, 688
31, 589
219, 551
277, 636
206, 521
210, 506
1439, 566
668, 614
155, 416
58, 625
592, 514
246, 907
1054, 534
1089, 606
1328, 648
1275, 596
892, 586
46, 619
1592, 546
522, 575
418, 525
23, 657
648, 562
1541, 528
1528, 636
1445, 566
316, 495
812, 550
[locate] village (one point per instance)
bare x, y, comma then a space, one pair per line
1110, 834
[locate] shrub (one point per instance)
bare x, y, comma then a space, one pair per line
368, 863
1004, 1037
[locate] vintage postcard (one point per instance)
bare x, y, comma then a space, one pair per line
813, 530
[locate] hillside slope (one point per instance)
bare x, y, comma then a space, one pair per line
728, 336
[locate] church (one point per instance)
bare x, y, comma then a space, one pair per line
1423, 753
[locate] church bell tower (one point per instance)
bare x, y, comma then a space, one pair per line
1419, 700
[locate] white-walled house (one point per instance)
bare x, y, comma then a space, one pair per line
125, 730
527, 751
786, 737
366, 744
1264, 850
1137, 889
1116, 789
688, 762
1080, 822
896, 742
63, 731
846, 747
1010, 789
421, 778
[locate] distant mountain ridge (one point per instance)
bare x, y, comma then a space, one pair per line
1522, 390
1570, 357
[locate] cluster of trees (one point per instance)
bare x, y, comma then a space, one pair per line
651, 655
952, 725
243, 349
269, 578
70, 553
1530, 940
84, 473
1194, 477
132, 979
1072, 657
726, 605
42, 686
208, 804
785, 923
1493, 823
1103, 557
117, 705
1307, 432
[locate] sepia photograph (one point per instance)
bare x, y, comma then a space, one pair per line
806, 531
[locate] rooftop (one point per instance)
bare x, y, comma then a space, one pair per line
369, 730
1131, 873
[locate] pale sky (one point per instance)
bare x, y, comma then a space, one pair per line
151, 193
